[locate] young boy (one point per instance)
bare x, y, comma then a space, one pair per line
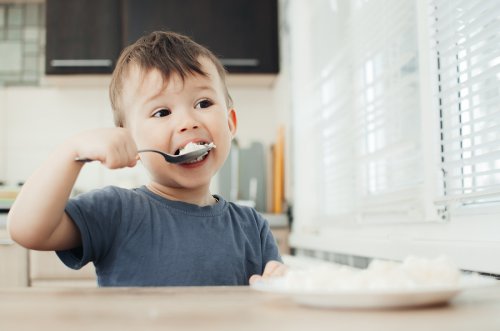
166, 91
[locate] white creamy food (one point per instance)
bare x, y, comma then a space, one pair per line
191, 147
413, 272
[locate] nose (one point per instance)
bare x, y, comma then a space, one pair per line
188, 128
187, 122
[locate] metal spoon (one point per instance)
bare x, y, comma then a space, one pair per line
181, 158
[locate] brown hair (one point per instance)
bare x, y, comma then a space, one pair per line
168, 52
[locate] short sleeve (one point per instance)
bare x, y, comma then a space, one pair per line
270, 250
96, 214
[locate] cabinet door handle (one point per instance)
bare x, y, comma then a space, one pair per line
81, 63
240, 62
6, 242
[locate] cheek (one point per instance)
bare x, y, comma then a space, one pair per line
147, 135
224, 140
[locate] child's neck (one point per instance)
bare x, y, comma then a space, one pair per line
201, 197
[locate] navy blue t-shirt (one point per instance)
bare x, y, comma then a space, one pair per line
137, 238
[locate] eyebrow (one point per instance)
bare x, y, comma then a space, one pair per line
204, 87
197, 88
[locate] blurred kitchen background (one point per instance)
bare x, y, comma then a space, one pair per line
367, 128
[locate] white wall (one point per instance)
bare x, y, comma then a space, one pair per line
39, 118
3, 127
256, 111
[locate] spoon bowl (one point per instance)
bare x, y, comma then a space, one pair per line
181, 158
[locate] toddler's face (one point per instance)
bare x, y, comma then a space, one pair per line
167, 115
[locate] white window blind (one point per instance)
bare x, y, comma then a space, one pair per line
357, 116
467, 45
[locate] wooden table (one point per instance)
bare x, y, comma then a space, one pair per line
226, 308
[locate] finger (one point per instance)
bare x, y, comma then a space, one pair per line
132, 160
280, 270
132, 152
118, 158
115, 157
270, 268
129, 153
124, 148
254, 278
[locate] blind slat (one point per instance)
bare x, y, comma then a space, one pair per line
473, 175
457, 106
471, 46
448, 132
453, 15
469, 196
454, 89
458, 152
486, 157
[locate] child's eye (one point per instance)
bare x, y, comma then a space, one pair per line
205, 103
162, 112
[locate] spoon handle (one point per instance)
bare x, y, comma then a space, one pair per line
86, 159
83, 159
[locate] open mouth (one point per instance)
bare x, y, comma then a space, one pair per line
192, 147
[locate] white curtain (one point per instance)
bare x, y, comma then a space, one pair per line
357, 131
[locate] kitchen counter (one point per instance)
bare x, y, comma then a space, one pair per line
3, 220
13, 262
226, 308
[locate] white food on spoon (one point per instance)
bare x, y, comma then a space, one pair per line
191, 147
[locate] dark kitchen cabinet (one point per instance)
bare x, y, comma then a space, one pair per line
242, 33
82, 36
86, 36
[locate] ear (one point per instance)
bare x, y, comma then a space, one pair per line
232, 121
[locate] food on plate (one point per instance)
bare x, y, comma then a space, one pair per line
413, 272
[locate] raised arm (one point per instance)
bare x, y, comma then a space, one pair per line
37, 219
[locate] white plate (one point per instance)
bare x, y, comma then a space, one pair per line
404, 298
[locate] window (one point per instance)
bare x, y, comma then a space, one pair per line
397, 128
22, 43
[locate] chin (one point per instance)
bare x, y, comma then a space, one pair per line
188, 184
